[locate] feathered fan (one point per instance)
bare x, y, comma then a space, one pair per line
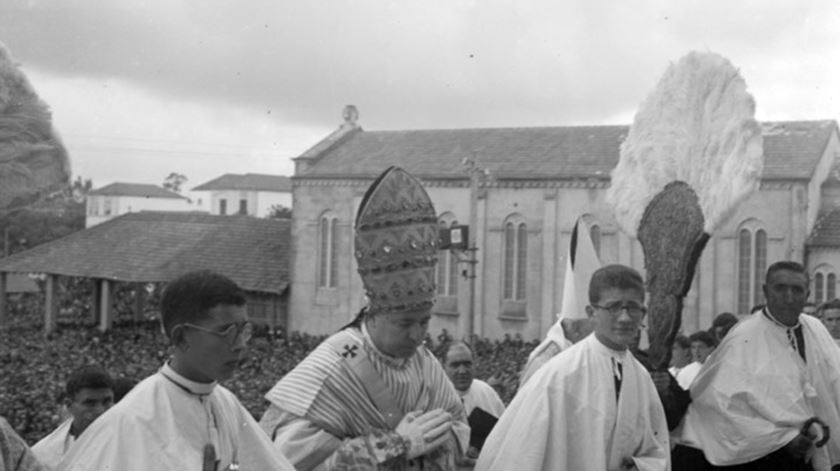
693, 153
33, 161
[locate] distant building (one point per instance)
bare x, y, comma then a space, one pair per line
116, 199
534, 183
251, 194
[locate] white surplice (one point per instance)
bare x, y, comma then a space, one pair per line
555, 342
482, 395
165, 422
50, 449
567, 418
754, 392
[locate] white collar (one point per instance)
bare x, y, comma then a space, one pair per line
188, 385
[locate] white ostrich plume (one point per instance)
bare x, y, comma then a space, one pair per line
698, 127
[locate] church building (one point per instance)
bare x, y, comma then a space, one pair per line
521, 191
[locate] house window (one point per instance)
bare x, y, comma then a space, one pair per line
93, 206
243, 206
222, 206
515, 260
595, 236
447, 269
752, 263
825, 285
327, 252
108, 203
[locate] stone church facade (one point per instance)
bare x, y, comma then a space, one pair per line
523, 189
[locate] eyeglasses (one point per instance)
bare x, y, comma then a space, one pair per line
614, 308
230, 335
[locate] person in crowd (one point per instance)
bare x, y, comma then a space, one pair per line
829, 314
593, 406
372, 396
811, 309
15, 455
722, 324
563, 334
755, 396
680, 355
88, 394
702, 344
180, 417
475, 394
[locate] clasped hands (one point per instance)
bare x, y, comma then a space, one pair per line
424, 431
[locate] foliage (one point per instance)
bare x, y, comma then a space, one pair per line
174, 181
278, 211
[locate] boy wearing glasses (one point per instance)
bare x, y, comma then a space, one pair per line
180, 417
593, 406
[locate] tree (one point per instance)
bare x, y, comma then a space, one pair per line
174, 181
279, 211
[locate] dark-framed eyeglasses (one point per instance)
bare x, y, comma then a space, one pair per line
231, 335
615, 308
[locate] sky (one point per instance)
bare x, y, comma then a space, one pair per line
143, 88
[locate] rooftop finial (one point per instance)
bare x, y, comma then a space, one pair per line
350, 114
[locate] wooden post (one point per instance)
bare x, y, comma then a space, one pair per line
96, 302
139, 301
105, 318
4, 313
51, 305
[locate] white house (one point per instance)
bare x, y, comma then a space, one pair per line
120, 198
253, 194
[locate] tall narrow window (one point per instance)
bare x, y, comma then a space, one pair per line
243, 206
327, 252
223, 206
818, 288
830, 285
515, 261
447, 269
752, 264
595, 235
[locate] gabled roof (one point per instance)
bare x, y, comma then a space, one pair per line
248, 181
140, 190
151, 246
792, 150
826, 231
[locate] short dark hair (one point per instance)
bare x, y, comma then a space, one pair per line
614, 276
833, 304
87, 377
724, 319
682, 341
191, 295
788, 265
703, 336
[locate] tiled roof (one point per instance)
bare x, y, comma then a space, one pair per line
826, 231
158, 246
141, 190
248, 181
792, 150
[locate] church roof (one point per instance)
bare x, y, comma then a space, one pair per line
826, 231
248, 181
791, 148
152, 246
140, 190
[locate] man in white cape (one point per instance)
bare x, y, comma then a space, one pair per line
773, 372
593, 407
181, 418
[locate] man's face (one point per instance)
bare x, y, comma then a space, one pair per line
459, 367
87, 405
617, 330
680, 356
700, 351
210, 357
399, 334
831, 319
786, 292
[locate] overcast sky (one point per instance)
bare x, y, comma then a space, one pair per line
142, 88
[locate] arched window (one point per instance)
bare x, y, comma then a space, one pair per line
595, 235
515, 262
752, 263
447, 269
825, 284
327, 251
